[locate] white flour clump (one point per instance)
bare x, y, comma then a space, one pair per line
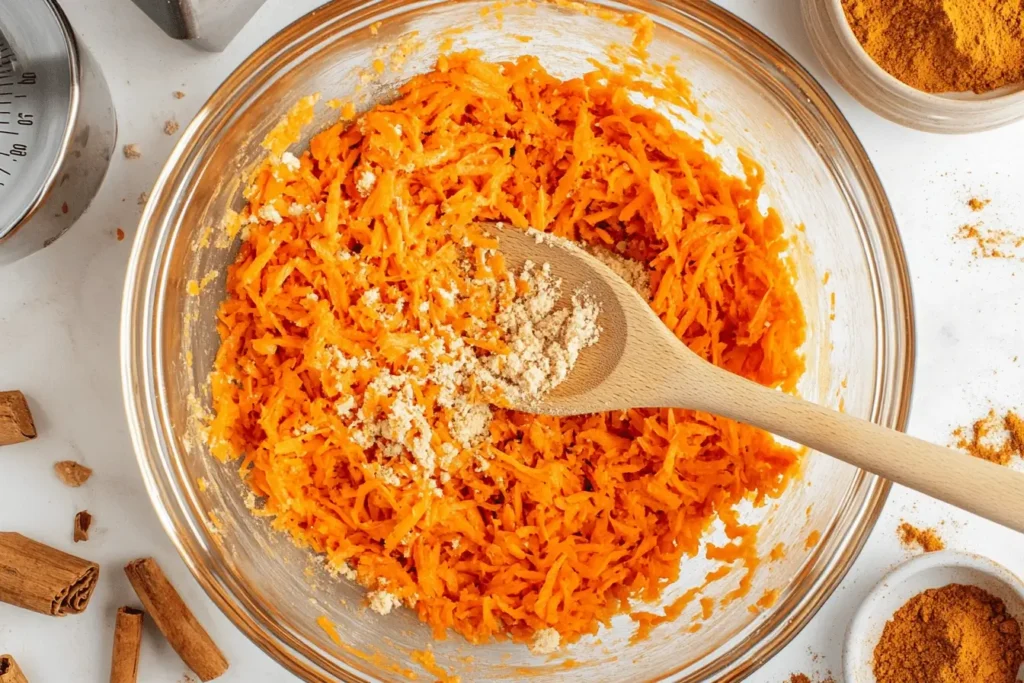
383, 602
545, 641
545, 341
633, 272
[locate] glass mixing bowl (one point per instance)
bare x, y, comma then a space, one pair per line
859, 349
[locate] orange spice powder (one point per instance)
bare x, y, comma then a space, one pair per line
925, 539
996, 438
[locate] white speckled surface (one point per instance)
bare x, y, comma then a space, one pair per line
59, 321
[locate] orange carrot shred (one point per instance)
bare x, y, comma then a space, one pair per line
548, 522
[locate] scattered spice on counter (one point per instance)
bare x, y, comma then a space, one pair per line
804, 678
943, 45
358, 350
977, 204
171, 127
997, 438
72, 473
927, 540
954, 634
991, 242
132, 151
83, 520
16, 423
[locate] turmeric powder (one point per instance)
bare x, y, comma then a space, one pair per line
953, 634
943, 45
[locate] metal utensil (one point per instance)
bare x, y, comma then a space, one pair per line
207, 24
57, 127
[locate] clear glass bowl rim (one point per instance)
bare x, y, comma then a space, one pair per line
141, 322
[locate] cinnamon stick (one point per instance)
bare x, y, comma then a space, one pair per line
9, 671
16, 423
124, 662
175, 620
44, 579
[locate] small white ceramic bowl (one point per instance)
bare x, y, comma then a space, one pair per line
931, 570
847, 61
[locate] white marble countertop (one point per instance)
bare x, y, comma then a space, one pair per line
59, 314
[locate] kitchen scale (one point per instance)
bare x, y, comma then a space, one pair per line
57, 126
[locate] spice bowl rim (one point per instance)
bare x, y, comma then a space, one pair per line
848, 62
859, 646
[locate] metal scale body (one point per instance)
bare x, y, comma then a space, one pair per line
57, 126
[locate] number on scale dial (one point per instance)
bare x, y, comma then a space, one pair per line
17, 114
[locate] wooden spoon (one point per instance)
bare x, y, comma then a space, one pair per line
639, 363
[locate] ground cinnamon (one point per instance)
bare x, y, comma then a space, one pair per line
953, 634
943, 45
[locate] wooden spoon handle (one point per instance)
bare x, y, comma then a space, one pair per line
984, 488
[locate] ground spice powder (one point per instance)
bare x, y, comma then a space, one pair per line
996, 438
943, 45
926, 539
953, 634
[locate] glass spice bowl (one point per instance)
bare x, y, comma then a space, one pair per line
859, 351
849, 63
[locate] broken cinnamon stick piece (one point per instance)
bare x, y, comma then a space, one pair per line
72, 473
16, 423
124, 663
9, 671
43, 579
175, 620
83, 520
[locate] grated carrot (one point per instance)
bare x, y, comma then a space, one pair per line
571, 518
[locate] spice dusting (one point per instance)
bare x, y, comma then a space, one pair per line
372, 335
996, 438
977, 204
927, 540
991, 242
953, 634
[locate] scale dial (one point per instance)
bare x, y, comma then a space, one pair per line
56, 126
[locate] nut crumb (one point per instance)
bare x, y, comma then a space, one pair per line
178, 95
171, 127
72, 473
364, 185
83, 520
132, 151
383, 602
119, 234
143, 198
